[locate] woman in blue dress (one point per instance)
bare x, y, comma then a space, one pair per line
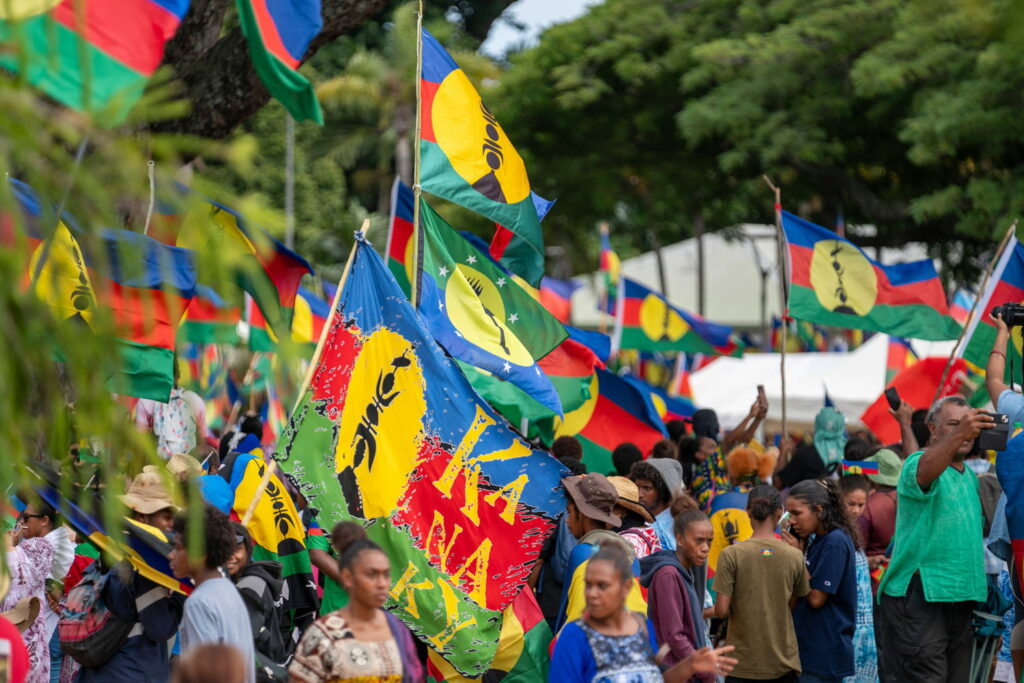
611, 644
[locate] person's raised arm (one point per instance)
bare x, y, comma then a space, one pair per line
995, 371
746, 429
937, 457
904, 416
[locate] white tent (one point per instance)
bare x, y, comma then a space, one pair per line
853, 381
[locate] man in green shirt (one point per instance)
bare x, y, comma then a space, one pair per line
937, 571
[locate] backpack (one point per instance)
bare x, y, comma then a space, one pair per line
89, 631
174, 425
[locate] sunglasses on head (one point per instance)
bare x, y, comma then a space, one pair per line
27, 516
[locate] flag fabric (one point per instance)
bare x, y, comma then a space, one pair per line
598, 342
960, 307
390, 432
208, 320
261, 336
399, 247
665, 407
611, 267
516, 253
258, 263
1005, 285
145, 547
278, 34
275, 526
144, 286
556, 297
480, 316
522, 655
833, 282
570, 367
90, 56
647, 321
617, 411
917, 386
465, 156
310, 316
900, 357
859, 467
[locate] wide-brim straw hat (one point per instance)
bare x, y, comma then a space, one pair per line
629, 497
147, 493
24, 614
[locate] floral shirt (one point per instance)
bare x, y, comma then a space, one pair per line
643, 540
30, 564
329, 652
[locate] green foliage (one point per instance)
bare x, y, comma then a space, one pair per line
902, 114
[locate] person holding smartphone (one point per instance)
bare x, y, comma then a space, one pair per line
937, 571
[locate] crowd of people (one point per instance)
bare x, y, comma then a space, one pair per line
710, 559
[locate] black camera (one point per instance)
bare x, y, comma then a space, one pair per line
995, 438
1011, 313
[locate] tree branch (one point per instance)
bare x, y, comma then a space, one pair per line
220, 81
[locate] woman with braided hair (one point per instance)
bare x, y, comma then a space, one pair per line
825, 619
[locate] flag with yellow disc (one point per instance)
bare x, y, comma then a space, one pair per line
480, 315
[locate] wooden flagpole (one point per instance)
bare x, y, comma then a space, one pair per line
417, 191
271, 468
974, 308
783, 277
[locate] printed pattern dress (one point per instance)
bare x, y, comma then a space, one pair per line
329, 652
30, 564
622, 659
865, 653
710, 478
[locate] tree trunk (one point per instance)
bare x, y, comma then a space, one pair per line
217, 72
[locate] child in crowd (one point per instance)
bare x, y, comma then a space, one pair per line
855, 490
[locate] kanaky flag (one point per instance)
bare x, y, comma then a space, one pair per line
556, 296
833, 282
516, 253
143, 285
465, 156
647, 321
208, 320
916, 385
961, 305
480, 315
90, 55
900, 357
617, 411
310, 316
611, 267
522, 655
399, 247
1005, 286
389, 432
278, 33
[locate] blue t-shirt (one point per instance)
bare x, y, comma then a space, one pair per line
1011, 404
825, 635
574, 661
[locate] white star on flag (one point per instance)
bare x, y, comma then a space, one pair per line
500, 282
506, 367
442, 271
514, 318
440, 306
471, 259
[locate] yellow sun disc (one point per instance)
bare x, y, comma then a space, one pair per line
475, 143
843, 278
475, 307
575, 420
383, 415
660, 322
23, 9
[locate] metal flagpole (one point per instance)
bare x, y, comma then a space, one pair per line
417, 191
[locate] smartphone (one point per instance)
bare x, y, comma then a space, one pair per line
995, 439
893, 397
761, 394
784, 524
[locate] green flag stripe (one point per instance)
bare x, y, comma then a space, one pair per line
916, 321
